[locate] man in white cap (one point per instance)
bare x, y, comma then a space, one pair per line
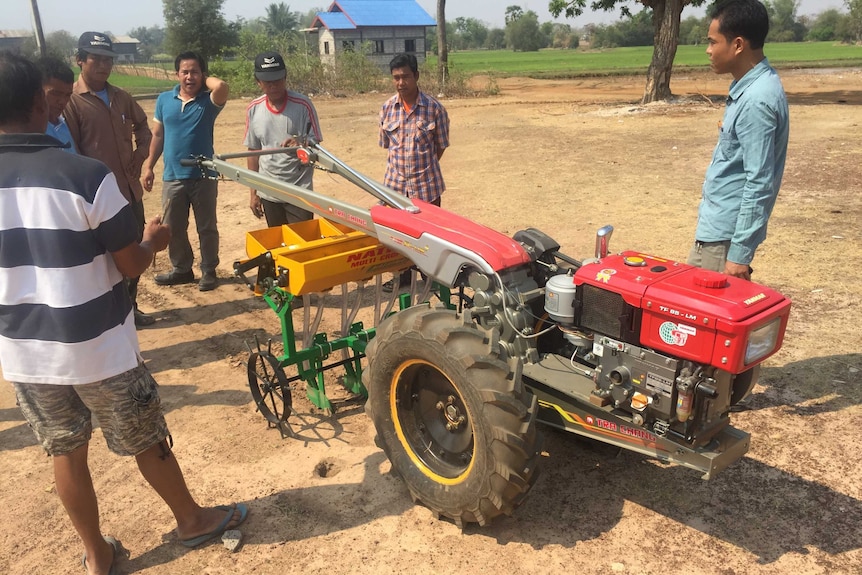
279, 118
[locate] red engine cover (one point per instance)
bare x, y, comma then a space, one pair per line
689, 312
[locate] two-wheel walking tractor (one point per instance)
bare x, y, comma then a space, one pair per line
626, 348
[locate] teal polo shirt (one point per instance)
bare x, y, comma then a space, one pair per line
744, 177
188, 131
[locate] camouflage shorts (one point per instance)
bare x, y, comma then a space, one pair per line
127, 406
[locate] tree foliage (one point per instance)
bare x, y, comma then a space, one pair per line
513, 13
198, 25
633, 30
666, 16
280, 20
783, 24
523, 34
151, 40
830, 25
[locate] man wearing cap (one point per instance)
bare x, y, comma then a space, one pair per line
279, 118
107, 124
184, 123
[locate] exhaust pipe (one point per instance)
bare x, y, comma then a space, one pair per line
603, 240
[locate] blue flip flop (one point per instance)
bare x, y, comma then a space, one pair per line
119, 551
222, 527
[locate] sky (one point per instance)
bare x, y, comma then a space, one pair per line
121, 17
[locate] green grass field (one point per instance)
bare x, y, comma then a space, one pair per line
567, 63
572, 63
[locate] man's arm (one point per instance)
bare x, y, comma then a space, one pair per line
143, 138
756, 130
442, 131
157, 145
135, 258
219, 90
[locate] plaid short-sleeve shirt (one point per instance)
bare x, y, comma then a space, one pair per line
414, 140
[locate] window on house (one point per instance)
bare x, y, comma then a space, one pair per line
347, 45
409, 45
379, 48
326, 47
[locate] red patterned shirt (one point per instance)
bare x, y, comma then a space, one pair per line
415, 139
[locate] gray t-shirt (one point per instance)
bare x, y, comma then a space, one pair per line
267, 127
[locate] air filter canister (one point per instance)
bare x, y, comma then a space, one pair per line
560, 299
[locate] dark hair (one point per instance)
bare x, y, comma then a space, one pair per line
54, 68
742, 18
202, 62
20, 81
404, 61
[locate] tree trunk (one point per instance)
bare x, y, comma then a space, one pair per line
37, 27
442, 48
666, 15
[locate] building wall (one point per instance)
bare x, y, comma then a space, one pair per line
385, 42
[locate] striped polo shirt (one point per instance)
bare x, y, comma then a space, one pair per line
65, 315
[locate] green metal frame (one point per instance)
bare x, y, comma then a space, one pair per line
311, 362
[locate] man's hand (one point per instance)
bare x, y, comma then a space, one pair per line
157, 234
147, 179
256, 205
737, 270
290, 142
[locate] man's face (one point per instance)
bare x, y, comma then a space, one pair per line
720, 49
406, 82
57, 94
275, 91
190, 77
95, 68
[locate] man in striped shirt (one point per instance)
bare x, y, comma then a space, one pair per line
67, 335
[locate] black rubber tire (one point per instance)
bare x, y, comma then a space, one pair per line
426, 368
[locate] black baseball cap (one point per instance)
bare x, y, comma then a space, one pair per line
269, 67
96, 43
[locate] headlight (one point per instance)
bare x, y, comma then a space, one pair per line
762, 341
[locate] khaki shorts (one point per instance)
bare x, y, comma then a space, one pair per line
127, 406
709, 255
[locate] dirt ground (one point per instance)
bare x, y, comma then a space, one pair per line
566, 157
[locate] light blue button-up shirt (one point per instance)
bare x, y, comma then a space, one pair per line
743, 180
60, 131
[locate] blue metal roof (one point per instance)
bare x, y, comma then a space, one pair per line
355, 13
335, 21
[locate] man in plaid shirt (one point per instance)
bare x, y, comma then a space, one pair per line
414, 127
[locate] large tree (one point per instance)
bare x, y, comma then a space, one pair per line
666, 18
197, 25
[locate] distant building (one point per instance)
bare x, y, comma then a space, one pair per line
126, 48
389, 27
13, 40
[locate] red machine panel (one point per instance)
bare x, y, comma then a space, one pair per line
692, 313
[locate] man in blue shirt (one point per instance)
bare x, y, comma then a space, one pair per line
744, 177
57, 81
183, 128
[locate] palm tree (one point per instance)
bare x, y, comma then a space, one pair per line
279, 19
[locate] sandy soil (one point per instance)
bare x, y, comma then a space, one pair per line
565, 157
